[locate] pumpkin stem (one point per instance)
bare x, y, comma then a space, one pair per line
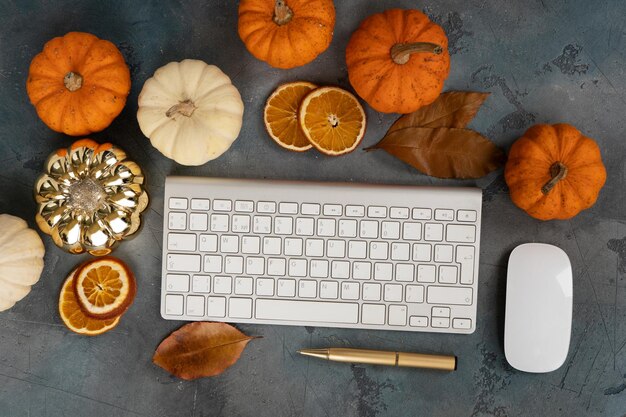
282, 13
558, 172
186, 108
401, 52
73, 81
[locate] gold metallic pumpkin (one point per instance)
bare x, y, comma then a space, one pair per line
90, 197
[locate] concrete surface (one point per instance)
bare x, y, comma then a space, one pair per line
542, 60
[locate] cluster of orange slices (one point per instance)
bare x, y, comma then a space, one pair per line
299, 116
95, 295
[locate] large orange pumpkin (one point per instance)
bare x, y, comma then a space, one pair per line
398, 60
78, 83
554, 172
286, 33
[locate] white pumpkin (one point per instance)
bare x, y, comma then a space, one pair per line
21, 260
191, 111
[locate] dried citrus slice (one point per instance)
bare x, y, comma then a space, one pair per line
73, 316
333, 120
104, 288
281, 115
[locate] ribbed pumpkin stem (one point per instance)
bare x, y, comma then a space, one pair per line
282, 13
73, 81
186, 108
558, 172
401, 52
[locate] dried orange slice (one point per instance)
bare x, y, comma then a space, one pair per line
73, 316
333, 120
104, 288
281, 115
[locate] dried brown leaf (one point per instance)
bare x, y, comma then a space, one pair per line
444, 152
451, 109
200, 349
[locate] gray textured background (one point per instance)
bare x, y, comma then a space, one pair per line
542, 60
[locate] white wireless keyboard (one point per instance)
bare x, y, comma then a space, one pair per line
321, 254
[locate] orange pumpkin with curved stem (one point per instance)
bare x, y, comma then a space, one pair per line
554, 172
286, 33
78, 83
398, 60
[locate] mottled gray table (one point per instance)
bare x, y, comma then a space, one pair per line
542, 60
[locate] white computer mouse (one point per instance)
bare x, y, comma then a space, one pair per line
538, 317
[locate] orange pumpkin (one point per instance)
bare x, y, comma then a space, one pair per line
78, 83
554, 172
398, 60
286, 33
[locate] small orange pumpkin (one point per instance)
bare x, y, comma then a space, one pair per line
398, 60
286, 33
554, 172
78, 83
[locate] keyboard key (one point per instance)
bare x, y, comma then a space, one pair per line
195, 306
332, 210
347, 228
399, 213
465, 257
326, 227
393, 292
444, 215
183, 263
181, 242
198, 222
383, 271
297, 268
266, 207
216, 307
405, 272
377, 212
219, 222
314, 247
293, 246
251, 245
174, 304
449, 295
355, 211
309, 209
319, 268
421, 214
466, 215
350, 291
379, 250
283, 225
414, 293
307, 288
243, 285
440, 322
335, 248
304, 226
272, 245
208, 243
433, 232
255, 266
357, 249
262, 225
361, 270
447, 274
459, 323
177, 282
397, 315
265, 287
440, 312
373, 314
421, 252
177, 221
368, 229
222, 284
201, 283
200, 204
233, 265
443, 253
240, 223
307, 311
244, 206
286, 288
222, 205
212, 263
400, 251
371, 291
288, 208
418, 321
411, 231
426, 273
177, 203
240, 308
329, 289
390, 230
461, 233
276, 266
340, 269
229, 244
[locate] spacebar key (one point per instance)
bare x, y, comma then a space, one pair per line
316, 311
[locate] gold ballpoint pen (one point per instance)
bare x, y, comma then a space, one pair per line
382, 357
